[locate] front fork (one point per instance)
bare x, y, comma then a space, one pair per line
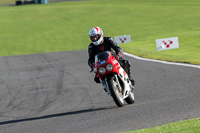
105, 83
118, 84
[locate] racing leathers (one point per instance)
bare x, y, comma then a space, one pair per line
108, 45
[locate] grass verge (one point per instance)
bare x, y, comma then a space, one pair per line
64, 26
187, 126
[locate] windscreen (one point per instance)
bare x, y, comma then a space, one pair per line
102, 56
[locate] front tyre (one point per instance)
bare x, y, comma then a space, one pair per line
115, 92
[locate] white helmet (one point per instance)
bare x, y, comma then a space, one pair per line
96, 35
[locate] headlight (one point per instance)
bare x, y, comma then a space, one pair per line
102, 70
109, 67
95, 70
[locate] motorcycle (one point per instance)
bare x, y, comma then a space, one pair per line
113, 78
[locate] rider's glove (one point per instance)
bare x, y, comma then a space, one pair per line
118, 56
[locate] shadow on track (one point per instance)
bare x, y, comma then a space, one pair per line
56, 115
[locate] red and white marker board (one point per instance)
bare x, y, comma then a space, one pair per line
122, 39
167, 43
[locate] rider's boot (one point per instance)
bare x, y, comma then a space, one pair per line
130, 77
132, 80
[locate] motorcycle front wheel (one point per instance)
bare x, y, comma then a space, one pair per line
115, 92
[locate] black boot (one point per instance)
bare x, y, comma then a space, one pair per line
132, 80
126, 66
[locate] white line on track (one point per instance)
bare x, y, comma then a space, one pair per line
164, 62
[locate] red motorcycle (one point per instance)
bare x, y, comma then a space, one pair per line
113, 78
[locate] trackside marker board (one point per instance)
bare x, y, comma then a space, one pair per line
122, 39
167, 43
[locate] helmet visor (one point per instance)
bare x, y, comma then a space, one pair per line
95, 38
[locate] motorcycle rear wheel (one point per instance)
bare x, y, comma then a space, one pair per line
115, 92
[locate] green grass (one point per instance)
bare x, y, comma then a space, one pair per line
188, 126
64, 26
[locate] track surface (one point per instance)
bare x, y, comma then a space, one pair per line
54, 92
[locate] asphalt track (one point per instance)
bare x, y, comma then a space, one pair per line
55, 93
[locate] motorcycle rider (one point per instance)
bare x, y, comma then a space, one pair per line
99, 44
